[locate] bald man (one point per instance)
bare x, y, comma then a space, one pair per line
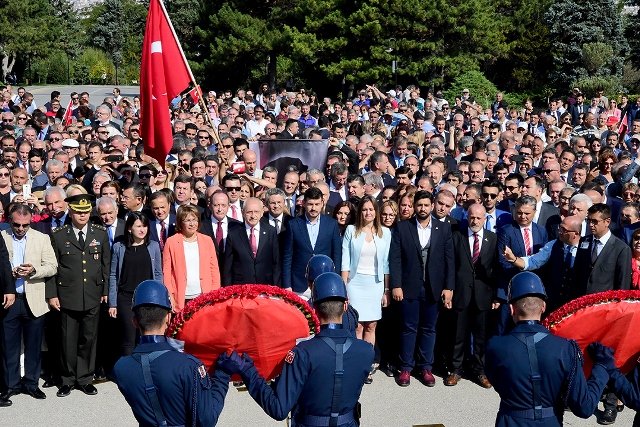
251, 251
250, 160
555, 260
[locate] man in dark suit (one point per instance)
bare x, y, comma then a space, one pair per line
556, 261
251, 253
108, 211
444, 202
58, 210
277, 215
162, 223
524, 237
215, 222
84, 257
547, 216
308, 235
291, 129
603, 263
476, 260
379, 163
496, 218
422, 270
8, 295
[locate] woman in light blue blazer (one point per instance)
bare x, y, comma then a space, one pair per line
365, 267
132, 261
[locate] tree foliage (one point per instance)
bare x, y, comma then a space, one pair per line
574, 23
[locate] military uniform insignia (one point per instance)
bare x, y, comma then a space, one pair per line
289, 357
202, 371
94, 242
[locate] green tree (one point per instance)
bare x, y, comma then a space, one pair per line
30, 30
572, 24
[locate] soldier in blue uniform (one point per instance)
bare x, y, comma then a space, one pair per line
164, 386
305, 387
319, 264
535, 373
627, 388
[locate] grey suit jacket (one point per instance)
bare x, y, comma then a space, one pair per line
38, 253
117, 261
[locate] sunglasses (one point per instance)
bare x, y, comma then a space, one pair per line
103, 132
232, 188
145, 175
162, 172
16, 225
5, 175
489, 195
7, 120
74, 132
22, 118
228, 146
203, 137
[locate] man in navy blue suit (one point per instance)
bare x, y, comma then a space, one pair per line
308, 235
421, 265
496, 218
525, 238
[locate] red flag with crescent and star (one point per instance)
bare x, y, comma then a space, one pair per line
164, 74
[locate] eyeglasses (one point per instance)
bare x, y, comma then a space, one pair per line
4, 175
16, 225
595, 221
512, 187
203, 137
162, 172
134, 130
74, 132
232, 188
22, 118
7, 120
239, 122
144, 175
103, 132
228, 146
75, 98
490, 195
549, 170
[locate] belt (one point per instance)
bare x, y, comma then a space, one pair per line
528, 413
316, 421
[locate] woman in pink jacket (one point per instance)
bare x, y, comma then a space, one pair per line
189, 261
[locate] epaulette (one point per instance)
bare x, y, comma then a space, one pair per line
99, 227
62, 227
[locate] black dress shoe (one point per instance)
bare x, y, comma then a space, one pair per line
49, 384
36, 393
11, 393
608, 416
64, 391
88, 389
4, 402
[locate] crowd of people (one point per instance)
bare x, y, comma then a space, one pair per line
427, 208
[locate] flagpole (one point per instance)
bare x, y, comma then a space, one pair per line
193, 79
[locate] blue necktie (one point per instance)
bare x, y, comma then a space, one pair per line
110, 233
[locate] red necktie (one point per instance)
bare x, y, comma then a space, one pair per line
219, 234
252, 242
163, 235
527, 242
234, 212
476, 248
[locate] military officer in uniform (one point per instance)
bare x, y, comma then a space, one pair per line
319, 264
305, 386
536, 373
78, 288
162, 385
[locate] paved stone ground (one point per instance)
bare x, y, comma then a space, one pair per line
384, 404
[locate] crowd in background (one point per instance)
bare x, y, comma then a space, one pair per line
427, 206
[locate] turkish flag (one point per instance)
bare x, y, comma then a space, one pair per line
66, 119
164, 74
195, 94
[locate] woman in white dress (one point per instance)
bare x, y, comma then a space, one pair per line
365, 267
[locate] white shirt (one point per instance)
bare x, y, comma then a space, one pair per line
538, 209
424, 233
224, 223
84, 231
256, 233
530, 228
166, 226
254, 127
238, 210
272, 221
603, 241
192, 254
470, 234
